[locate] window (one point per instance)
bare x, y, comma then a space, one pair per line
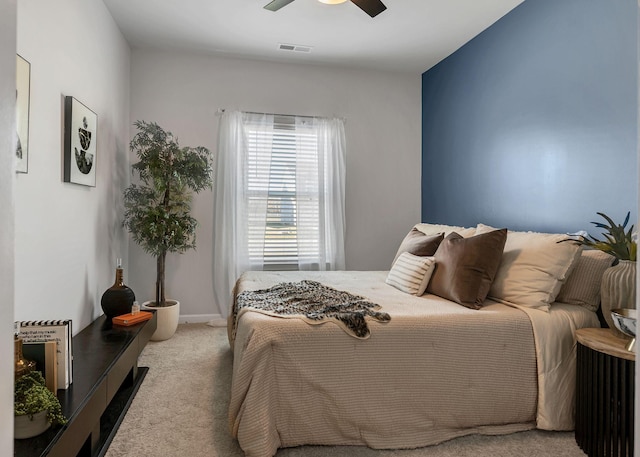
283, 193
279, 200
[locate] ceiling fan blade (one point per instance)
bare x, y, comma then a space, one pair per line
371, 7
275, 5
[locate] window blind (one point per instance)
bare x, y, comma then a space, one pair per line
283, 193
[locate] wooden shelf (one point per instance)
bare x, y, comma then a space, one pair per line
106, 377
605, 340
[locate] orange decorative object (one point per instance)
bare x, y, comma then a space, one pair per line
131, 319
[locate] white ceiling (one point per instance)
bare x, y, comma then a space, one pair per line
410, 36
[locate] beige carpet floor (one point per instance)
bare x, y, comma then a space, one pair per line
181, 410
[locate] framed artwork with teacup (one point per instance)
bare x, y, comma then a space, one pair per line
80, 141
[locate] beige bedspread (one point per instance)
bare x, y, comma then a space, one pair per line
436, 371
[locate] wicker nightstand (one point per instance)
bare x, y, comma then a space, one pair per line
604, 394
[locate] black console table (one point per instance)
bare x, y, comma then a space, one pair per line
106, 377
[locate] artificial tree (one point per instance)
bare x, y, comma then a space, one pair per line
158, 208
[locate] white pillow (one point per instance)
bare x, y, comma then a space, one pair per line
433, 229
411, 274
534, 266
582, 287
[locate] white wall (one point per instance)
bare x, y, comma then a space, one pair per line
68, 236
182, 92
7, 136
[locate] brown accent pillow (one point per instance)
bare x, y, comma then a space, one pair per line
417, 243
465, 267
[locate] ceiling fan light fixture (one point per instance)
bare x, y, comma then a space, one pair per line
371, 7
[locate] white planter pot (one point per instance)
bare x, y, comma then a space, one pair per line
27, 427
167, 317
618, 290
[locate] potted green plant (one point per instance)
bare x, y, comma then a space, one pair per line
618, 241
618, 287
158, 208
35, 407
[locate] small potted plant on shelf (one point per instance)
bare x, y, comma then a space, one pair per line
35, 407
158, 208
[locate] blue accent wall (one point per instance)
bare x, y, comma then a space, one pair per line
533, 125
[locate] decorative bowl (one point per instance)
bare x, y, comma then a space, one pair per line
625, 320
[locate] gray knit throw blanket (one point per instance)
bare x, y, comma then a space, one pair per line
314, 303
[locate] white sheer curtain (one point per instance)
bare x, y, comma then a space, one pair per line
325, 179
229, 240
246, 169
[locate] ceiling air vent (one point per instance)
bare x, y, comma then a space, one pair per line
294, 47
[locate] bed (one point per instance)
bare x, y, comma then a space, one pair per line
436, 370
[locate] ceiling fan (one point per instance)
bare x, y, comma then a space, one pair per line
371, 7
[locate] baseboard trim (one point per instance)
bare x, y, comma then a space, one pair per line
198, 318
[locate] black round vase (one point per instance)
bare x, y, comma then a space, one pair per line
117, 299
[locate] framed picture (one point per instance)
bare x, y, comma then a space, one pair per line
80, 139
23, 89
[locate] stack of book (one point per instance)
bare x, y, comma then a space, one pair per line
49, 344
